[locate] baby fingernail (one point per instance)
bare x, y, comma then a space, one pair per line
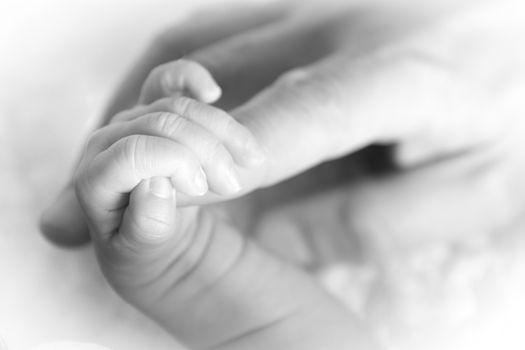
233, 180
212, 93
161, 187
201, 183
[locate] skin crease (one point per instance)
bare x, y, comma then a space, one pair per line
240, 79
454, 93
168, 261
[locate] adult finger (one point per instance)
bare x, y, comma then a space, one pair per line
246, 63
406, 94
249, 61
339, 105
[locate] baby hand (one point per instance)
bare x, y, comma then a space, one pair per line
194, 274
129, 181
190, 270
199, 147
184, 78
209, 286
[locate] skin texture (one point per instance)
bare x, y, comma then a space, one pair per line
441, 88
170, 261
285, 38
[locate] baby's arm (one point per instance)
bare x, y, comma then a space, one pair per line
195, 275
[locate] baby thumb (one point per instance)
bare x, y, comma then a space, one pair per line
149, 219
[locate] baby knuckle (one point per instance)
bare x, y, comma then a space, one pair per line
185, 106
215, 151
133, 149
150, 224
223, 123
229, 122
168, 124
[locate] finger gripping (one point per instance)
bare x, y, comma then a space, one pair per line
165, 123
185, 106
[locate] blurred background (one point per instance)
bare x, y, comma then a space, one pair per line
60, 61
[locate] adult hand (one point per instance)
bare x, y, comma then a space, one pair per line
444, 93
434, 82
439, 85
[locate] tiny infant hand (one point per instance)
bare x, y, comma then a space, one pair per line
197, 146
181, 266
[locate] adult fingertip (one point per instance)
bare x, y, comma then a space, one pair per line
63, 223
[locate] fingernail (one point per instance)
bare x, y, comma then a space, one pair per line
201, 183
161, 187
212, 93
233, 180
